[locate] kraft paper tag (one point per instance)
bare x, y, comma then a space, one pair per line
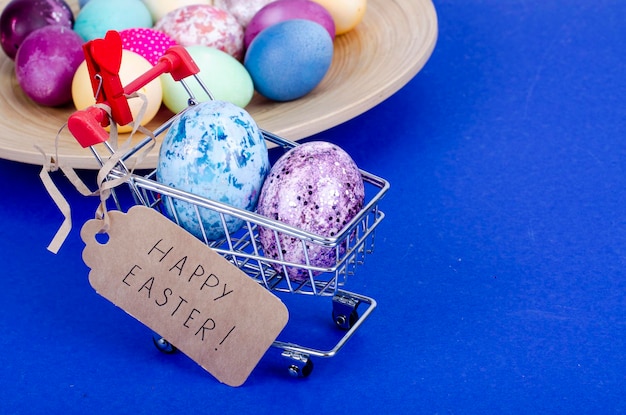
189, 294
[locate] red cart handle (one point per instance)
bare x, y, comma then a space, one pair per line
104, 58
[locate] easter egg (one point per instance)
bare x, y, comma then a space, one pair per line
282, 10
132, 66
243, 10
21, 17
225, 77
201, 24
214, 150
159, 8
289, 59
45, 64
97, 17
346, 13
315, 187
147, 42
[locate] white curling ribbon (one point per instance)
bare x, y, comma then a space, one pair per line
52, 164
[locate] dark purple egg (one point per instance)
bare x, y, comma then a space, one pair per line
21, 17
46, 62
281, 10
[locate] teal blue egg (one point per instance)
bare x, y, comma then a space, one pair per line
97, 17
214, 150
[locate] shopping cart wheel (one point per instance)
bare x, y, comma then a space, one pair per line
163, 345
300, 365
345, 313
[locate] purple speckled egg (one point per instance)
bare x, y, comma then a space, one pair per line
315, 187
281, 10
21, 17
46, 62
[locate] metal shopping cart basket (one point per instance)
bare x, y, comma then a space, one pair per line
242, 248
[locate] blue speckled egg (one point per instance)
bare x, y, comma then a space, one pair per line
289, 59
315, 187
214, 150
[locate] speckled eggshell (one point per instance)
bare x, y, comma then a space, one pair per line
147, 42
243, 10
201, 24
289, 59
214, 150
315, 187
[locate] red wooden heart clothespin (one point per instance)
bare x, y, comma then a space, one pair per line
104, 59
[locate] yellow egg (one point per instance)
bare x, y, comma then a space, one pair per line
346, 13
133, 65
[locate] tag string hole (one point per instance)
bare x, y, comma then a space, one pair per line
102, 238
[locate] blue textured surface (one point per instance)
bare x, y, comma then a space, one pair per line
499, 269
289, 59
214, 150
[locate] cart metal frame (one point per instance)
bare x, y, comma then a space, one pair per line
242, 248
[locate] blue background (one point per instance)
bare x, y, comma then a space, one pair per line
499, 269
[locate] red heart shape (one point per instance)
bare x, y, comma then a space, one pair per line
107, 52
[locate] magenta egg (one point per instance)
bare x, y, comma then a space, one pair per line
46, 62
281, 10
21, 17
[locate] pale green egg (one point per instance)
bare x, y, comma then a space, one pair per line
226, 78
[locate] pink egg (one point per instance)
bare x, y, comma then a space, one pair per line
147, 42
281, 10
201, 24
46, 62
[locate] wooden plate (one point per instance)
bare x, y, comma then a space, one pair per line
372, 62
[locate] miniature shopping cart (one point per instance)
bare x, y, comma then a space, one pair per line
242, 248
